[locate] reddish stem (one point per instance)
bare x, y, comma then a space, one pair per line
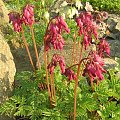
47, 81
97, 82
27, 49
46, 62
73, 52
52, 89
76, 82
92, 85
35, 47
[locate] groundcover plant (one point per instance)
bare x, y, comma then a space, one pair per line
58, 91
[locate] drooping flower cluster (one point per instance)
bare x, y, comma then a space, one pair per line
28, 15
54, 37
87, 28
94, 67
55, 60
103, 46
99, 17
27, 18
70, 74
14, 17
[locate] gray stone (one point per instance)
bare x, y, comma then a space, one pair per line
114, 35
110, 63
111, 24
115, 48
66, 52
7, 72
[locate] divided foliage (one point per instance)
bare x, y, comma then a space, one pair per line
30, 100
105, 5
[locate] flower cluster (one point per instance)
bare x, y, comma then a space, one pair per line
28, 14
86, 28
14, 17
27, 18
103, 46
70, 74
57, 59
54, 37
99, 17
94, 67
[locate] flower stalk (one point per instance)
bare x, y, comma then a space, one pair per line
47, 81
35, 47
27, 49
76, 82
52, 90
74, 48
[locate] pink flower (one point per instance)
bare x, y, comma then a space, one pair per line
55, 60
14, 17
95, 33
70, 74
57, 25
62, 64
94, 67
105, 15
86, 28
85, 42
28, 15
57, 42
63, 24
98, 59
103, 46
51, 68
99, 71
90, 70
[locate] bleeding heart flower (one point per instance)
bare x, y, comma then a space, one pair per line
55, 60
70, 74
94, 67
28, 15
87, 27
57, 25
14, 17
103, 46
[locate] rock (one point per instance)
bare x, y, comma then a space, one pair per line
111, 24
110, 63
66, 52
114, 35
7, 72
3, 14
115, 48
5, 28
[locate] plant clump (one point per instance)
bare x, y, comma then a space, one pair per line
81, 90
